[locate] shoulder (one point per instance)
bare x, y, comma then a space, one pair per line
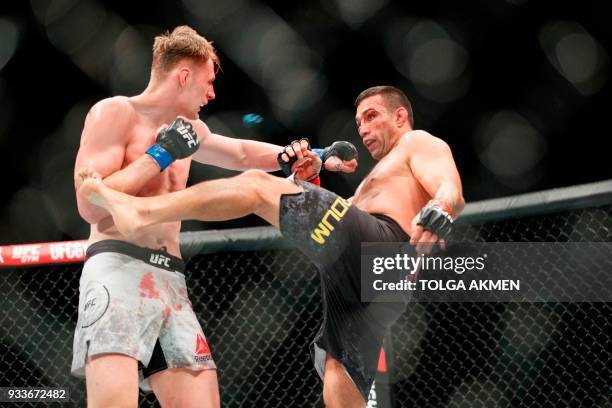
108, 121
421, 136
117, 109
420, 139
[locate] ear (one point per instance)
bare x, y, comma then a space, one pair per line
183, 74
401, 116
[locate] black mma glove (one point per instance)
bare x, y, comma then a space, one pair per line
437, 219
342, 149
175, 142
286, 165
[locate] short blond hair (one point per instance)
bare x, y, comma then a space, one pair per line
183, 42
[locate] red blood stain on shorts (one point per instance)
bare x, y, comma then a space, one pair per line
147, 286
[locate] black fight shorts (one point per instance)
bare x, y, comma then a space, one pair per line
329, 231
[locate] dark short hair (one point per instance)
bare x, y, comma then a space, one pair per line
394, 98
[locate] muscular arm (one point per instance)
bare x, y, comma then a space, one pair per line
432, 163
234, 154
103, 145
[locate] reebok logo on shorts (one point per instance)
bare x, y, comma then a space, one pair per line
202, 351
325, 227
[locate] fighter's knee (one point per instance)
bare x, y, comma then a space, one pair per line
256, 183
256, 175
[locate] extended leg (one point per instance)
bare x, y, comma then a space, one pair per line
338, 389
252, 192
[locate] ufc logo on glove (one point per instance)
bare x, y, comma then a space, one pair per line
186, 133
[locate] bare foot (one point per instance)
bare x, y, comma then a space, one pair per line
123, 208
91, 176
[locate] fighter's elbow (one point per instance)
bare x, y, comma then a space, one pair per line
459, 206
90, 213
87, 216
242, 158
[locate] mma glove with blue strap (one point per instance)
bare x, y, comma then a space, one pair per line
175, 142
342, 149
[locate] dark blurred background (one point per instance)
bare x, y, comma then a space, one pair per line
519, 89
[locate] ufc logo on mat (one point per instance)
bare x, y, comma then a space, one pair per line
187, 135
157, 259
325, 227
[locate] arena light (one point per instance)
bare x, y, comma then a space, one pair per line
576, 54
511, 148
213, 13
86, 31
48, 11
132, 60
247, 33
356, 12
70, 29
425, 53
9, 32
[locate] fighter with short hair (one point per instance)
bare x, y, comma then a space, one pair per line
413, 193
134, 312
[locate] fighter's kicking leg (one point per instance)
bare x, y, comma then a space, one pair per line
339, 391
252, 192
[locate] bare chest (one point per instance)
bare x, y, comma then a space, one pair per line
172, 179
392, 188
389, 175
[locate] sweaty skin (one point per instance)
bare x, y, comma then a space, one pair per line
116, 135
392, 189
138, 132
414, 167
118, 130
